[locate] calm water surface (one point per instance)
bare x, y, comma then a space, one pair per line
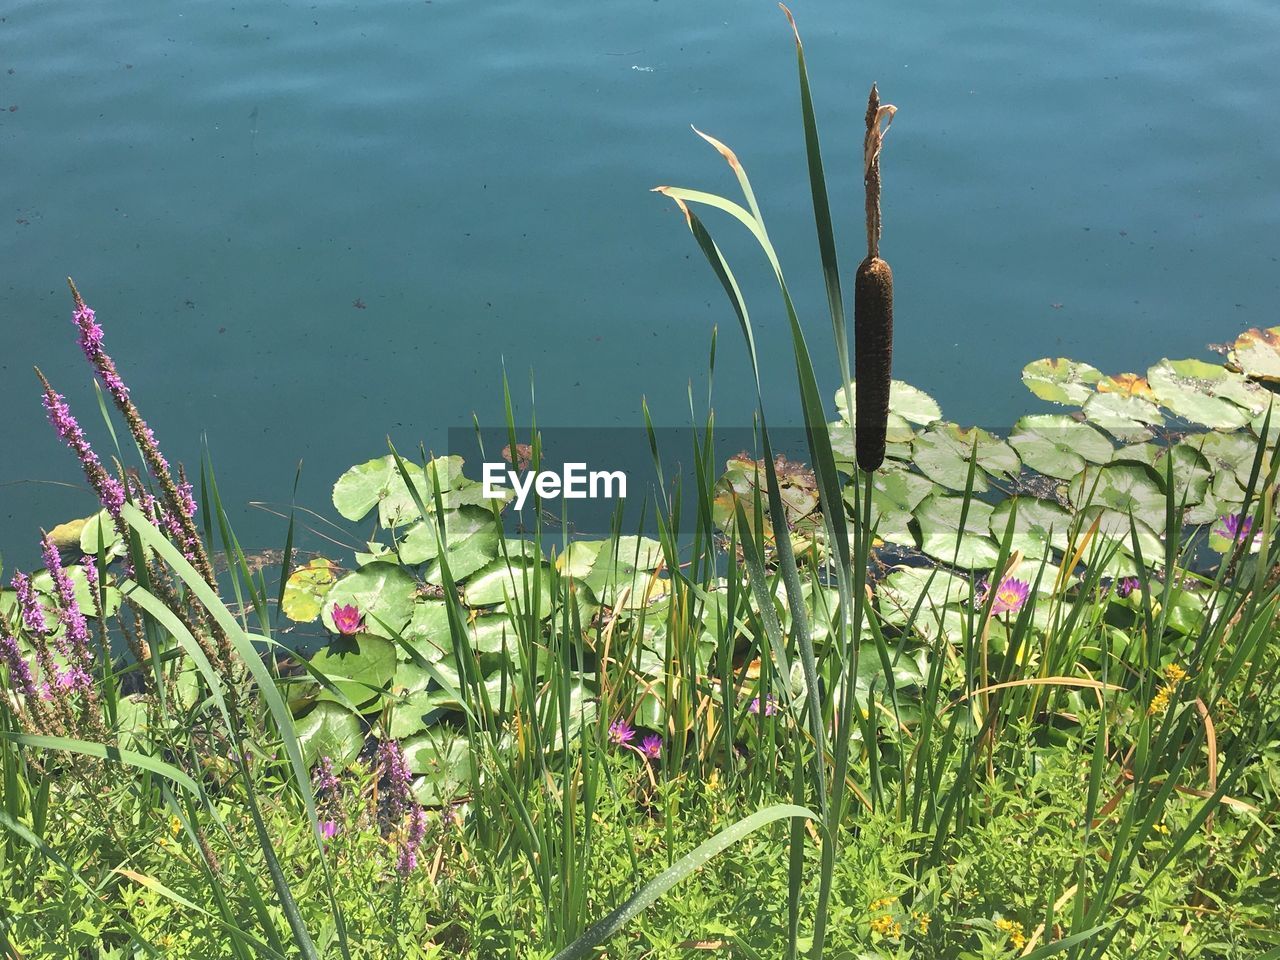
307, 226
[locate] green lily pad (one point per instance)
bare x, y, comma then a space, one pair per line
1204, 393
906, 403
895, 492
1228, 453
1125, 417
938, 518
99, 535
471, 535
381, 591
579, 557
358, 666
503, 579
1125, 486
1040, 527
1058, 446
428, 630
944, 451
306, 587
329, 730
43, 583
904, 587
1114, 527
1060, 380
441, 761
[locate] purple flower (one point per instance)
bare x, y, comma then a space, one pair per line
621, 733
19, 670
29, 605
651, 746
408, 860
394, 778
1010, 595
329, 829
770, 706
1236, 527
74, 646
326, 779
346, 619
1126, 585
110, 491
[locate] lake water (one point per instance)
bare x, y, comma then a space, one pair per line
306, 226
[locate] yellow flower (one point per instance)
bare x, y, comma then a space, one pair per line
1017, 937
1174, 673
1161, 828
886, 926
922, 922
175, 825
1160, 702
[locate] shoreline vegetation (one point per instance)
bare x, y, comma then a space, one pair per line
931, 692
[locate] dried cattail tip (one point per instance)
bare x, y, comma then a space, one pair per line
873, 358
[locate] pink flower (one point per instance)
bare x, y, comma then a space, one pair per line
770, 706
651, 746
329, 829
621, 733
1010, 595
347, 620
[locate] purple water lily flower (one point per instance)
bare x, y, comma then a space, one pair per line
621, 733
1010, 595
347, 620
1126, 585
1236, 527
651, 746
770, 706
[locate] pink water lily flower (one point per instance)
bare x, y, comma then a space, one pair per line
347, 619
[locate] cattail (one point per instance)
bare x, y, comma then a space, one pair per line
873, 307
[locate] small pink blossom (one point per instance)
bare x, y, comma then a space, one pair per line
347, 619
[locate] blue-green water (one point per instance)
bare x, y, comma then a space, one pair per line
306, 226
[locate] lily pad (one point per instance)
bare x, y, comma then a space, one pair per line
99, 535
1060, 380
306, 587
471, 536
904, 587
1227, 453
944, 451
1204, 393
358, 666
1125, 417
1040, 527
1256, 354
895, 492
906, 403
428, 630
938, 518
381, 591
441, 761
1125, 486
503, 579
1058, 446
329, 730
1127, 385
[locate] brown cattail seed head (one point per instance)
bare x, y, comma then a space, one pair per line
873, 357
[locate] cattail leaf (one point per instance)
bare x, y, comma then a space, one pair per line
1060, 380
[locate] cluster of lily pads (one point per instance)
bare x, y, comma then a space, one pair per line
1103, 467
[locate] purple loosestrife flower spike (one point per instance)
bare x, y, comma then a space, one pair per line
110, 491
19, 670
29, 604
326, 779
347, 619
621, 733
651, 746
75, 643
395, 778
770, 706
417, 830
